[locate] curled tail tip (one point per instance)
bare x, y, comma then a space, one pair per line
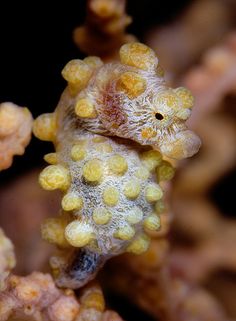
82, 267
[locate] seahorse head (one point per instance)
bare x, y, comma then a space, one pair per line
130, 99
138, 105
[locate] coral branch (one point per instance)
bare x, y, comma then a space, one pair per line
104, 29
196, 219
36, 297
160, 293
15, 132
180, 43
214, 78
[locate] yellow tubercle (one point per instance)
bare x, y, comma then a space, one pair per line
71, 202
77, 73
92, 300
125, 233
110, 196
44, 127
84, 108
132, 189
153, 193
160, 71
79, 234
152, 223
101, 215
165, 171
168, 98
139, 245
132, 84
142, 173
93, 171
51, 158
52, 230
104, 148
93, 61
186, 97
148, 133
151, 159
138, 55
55, 177
117, 164
160, 207
184, 113
99, 139
81, 142
78, 152
134, 216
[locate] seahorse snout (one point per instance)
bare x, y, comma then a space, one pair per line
182, 145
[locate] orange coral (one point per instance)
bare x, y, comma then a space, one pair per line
15, 132
36, 297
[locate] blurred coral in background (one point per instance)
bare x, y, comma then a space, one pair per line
189, 271
15, 132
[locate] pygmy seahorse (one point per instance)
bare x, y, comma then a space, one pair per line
111, 128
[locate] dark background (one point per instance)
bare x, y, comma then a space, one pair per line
36, 43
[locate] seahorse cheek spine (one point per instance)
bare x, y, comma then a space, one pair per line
107, 121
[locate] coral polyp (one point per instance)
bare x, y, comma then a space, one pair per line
112, 129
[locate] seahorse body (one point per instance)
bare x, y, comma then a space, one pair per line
112, 125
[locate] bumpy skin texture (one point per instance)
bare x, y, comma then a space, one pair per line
111, 129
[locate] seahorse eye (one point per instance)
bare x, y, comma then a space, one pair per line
159, 116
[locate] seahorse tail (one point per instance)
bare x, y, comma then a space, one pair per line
81, 268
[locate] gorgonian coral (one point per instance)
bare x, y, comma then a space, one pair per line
114, 124
15, 132
7, 258
36, 297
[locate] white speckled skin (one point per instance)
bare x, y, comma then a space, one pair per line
92, 194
